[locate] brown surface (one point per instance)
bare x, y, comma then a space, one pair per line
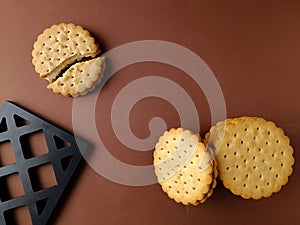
251, 46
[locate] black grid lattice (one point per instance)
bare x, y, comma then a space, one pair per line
16, 122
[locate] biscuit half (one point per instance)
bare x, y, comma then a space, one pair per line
80, 78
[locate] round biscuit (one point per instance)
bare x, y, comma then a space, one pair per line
254, 156
61, 45
178, 157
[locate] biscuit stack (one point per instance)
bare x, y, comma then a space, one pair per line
253, 157
67, 56
183, 167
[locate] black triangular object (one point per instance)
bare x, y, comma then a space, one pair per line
63, 154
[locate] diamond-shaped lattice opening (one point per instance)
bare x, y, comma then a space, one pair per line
20, 121
34, 144
3, 125
42, 177
11, 187
7, 155
18, 216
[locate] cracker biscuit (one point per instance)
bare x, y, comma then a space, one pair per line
79, 78
254, 156
59, 46
177, 159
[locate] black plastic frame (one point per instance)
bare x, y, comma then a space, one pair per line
12, 130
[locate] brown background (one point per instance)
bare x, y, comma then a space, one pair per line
251, 46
